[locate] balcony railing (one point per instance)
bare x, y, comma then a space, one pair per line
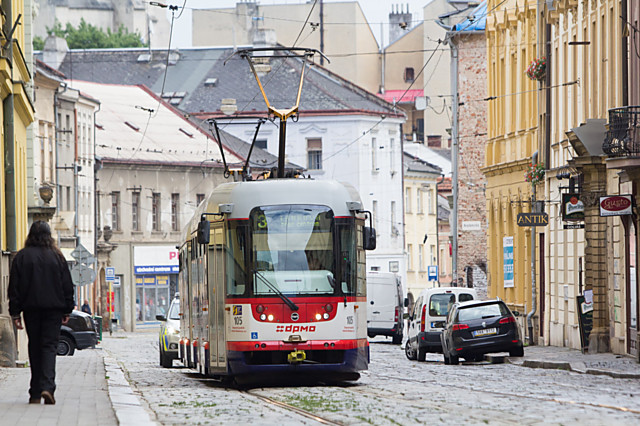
623, 135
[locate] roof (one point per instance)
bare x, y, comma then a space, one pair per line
399, 96
414, 164
477, 20
133, 125
197, 80
430, 155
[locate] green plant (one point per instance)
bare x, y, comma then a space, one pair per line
537, 69
535, 173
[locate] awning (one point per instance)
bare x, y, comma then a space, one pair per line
393, 96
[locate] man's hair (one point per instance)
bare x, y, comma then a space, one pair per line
40, 236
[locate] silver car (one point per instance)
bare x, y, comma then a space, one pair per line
169, 334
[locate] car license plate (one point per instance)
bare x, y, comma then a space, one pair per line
485, 332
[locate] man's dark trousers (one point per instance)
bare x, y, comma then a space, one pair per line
43, 329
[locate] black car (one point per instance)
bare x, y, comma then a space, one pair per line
476, 328
78, 333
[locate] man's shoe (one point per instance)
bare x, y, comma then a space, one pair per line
48, 398
34, 400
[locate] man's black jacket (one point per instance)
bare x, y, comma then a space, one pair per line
39, 279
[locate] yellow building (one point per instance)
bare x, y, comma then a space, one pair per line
16, 112
511, 142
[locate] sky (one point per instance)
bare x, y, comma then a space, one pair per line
376, 12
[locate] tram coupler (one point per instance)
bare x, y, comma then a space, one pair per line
296, 357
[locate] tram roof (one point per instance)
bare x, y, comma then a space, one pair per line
244, 196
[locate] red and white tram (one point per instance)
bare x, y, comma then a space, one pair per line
272, 281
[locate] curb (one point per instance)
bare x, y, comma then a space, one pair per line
126, 405
563, 365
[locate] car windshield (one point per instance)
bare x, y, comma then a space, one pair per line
481, 311
439, 304
293, 250
174, 310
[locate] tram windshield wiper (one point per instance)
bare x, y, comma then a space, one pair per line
277, 291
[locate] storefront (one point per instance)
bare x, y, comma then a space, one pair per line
156, 278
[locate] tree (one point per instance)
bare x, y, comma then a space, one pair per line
87, 36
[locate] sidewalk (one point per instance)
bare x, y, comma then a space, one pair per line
91, 390
618, 366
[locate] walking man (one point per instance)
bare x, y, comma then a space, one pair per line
40, 288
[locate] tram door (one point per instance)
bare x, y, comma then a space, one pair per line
215, 278
185, 304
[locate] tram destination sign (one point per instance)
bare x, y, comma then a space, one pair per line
533, 219
616, 205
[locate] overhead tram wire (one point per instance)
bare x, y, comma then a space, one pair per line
414, 80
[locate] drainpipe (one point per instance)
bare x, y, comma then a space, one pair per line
75, 174
9, 149
534, 160
454, 161
57, 139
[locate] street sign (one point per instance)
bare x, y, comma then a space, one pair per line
533, 219
573, 226
432, 272
82, 275
82, 255
110, 273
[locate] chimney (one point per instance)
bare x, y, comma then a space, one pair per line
55, 49
399, 22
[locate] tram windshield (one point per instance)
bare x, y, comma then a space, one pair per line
293, 250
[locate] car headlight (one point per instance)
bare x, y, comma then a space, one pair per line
171, 330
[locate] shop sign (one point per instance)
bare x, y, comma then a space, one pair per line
572, 207
155, 260
533, 219
616, 205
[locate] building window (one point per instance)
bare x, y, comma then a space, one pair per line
199, 199
115, 211
394, 227
408, 75
42, 158
407, 199
374, 160
135, 211
392, 157
419, 200
374, 212
68, 198
175, 212
314, 153
155, 211
421, 257
410, 257
432, 249
261, 143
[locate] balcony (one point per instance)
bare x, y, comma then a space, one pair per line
623, 135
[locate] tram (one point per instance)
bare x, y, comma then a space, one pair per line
272, 281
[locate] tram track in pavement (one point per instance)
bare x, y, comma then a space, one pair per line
507, 394
289, 407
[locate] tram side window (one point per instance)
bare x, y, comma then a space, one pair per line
361, 289
236, 260
347, 259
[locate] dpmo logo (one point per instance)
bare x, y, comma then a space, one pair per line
294, 328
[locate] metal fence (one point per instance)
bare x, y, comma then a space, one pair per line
623, 134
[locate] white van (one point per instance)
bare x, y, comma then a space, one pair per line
384, 305
428, 317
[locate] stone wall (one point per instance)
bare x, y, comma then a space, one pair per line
472, 130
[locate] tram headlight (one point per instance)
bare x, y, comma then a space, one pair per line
259, 309
270, 317
325, 315
328, 307
263, 317
318, 317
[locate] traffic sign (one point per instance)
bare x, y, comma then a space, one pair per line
82, 255
82, 275
110, 273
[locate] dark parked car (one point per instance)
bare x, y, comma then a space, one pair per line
79, 333
476, 328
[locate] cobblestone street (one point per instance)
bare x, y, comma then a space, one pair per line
393, 391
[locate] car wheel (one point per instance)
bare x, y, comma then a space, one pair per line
165, 361
518, 351
396, 339
66, 347
422, 355
454, 359
409, 352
